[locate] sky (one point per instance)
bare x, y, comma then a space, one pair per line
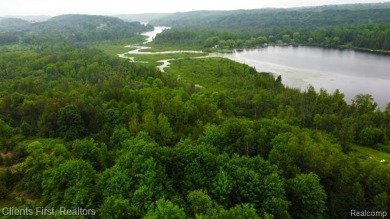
112, 7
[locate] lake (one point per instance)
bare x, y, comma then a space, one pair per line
152, 34
352, 72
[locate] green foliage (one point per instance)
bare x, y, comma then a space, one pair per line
164, 133
70, 184
9, 38
111, 117
377, 179
115, 182
244, 211
366, 28
70, 123
364, 104
286, 38
370, 136
256, 181
41, 156
209, 138
252, 20
381, 202
307, 196
215, 136
82, 28
4, 192
302, 153
165, 209
222, 187
199, 202
119, 135
240, 211
6, 132
180, 37
115, 207
90, 151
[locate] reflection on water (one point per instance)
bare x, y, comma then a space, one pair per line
351, 72
152, 34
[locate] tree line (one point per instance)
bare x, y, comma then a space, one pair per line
363, 26
304, 17
368, 36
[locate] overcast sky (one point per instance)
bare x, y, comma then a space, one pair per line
110, 7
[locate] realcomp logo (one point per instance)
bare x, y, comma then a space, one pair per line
365, 213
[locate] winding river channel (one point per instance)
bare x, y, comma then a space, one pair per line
352, 72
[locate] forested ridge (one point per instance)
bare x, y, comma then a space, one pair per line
208, 138
369, 37
70, 28
12, 24
364, 26
328, 15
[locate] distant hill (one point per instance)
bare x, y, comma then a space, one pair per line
13, 24
90, 27
307, 17
74, 22
75, 27
360, 6
191, 18
33, 18
142, 17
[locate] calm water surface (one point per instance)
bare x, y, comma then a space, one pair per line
152, 34
351, 72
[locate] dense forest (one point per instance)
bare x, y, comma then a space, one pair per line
209, 138
368, 36
350, 26
71, 28
310, 17
13, 24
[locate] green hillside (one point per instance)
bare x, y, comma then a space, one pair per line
75, 28
296, 17
13, 24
